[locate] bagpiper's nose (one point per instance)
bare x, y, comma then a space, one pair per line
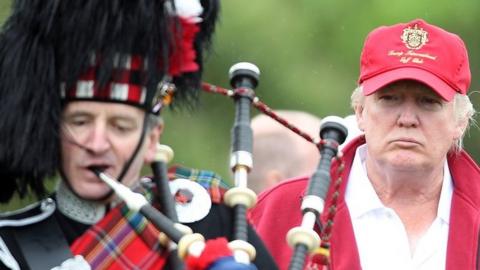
97, 141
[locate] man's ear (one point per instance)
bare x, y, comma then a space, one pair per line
359, 116
460, 129
151, 140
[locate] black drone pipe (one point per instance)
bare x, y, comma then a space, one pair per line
303, 238
164, 197
243, 78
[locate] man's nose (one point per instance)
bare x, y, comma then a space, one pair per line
97, 140
407, 115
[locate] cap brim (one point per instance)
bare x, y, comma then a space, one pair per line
408, 73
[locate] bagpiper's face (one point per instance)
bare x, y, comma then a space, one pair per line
102, 135
408, 127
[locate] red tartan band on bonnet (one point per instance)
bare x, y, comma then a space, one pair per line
124, 86
127, 83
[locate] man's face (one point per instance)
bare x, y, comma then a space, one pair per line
99, 134
408, 127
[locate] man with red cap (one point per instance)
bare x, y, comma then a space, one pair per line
409, 196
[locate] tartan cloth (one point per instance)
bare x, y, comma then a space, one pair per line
211, 181
121, 240
125, 86
124, 239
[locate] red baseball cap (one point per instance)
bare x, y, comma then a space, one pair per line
416, 51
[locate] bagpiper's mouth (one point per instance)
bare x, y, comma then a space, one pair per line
97, 169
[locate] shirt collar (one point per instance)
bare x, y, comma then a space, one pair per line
361, 197
446, 194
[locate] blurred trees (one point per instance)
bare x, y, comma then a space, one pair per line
308, 52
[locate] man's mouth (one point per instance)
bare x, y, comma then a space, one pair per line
98, 168
406, 142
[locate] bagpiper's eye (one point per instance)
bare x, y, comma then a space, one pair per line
123, 126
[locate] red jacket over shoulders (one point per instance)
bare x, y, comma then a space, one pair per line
278, 210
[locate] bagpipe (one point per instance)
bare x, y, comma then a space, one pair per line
303, 238
192, 247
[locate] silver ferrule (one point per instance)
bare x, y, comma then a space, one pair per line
241, 158
313, 202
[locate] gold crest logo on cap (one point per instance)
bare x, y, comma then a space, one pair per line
414, 38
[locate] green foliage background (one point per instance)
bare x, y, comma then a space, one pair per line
308, 52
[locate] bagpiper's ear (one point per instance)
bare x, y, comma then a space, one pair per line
151, 141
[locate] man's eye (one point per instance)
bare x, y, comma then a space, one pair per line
430, 102
388, 97
77, 122
123, 127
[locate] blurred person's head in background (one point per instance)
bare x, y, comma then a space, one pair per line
279, 153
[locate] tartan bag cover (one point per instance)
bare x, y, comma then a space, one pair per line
124, 239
